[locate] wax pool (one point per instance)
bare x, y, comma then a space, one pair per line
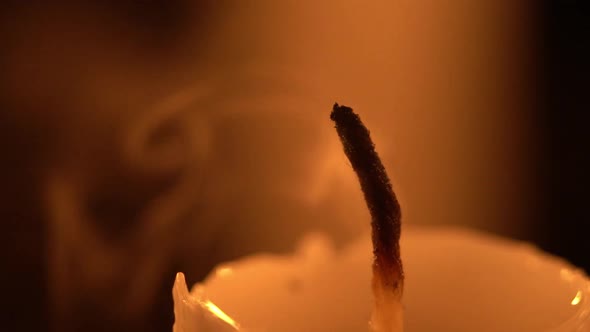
456, 281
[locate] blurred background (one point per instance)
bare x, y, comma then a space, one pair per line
142, 138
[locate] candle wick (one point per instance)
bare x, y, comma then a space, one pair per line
379, 196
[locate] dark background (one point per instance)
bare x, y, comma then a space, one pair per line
564, 147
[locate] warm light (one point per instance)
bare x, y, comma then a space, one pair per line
578, 298
220, 314
224, 271
567, 274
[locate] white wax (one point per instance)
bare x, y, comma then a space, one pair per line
194, 312
456, 281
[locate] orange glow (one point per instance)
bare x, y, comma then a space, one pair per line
224, 271
566, 274
577, 299
220, 314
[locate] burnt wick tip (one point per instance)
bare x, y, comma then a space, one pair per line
378, 192
340, 112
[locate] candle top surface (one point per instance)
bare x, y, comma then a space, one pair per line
458, 281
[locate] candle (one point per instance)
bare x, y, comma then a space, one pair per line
457, 280
463, 282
